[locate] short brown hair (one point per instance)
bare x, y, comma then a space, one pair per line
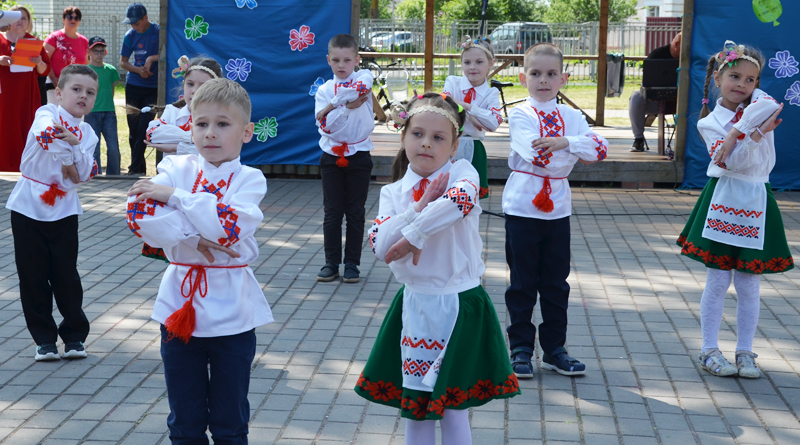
223, 92
343, 41
74, 70
72, 10
544, 49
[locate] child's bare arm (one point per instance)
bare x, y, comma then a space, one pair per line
205, 247
164, 148
148, 62
324, 112
146, 189
359, 102
400, 249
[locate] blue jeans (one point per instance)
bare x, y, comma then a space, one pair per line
105, 122
207, 384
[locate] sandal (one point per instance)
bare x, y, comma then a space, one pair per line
746, 365
716, 364
521, 363
562, 363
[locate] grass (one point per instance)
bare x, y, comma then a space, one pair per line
123, 133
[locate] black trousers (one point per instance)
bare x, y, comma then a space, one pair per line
46, 254
137, 123
538, 254
344, 193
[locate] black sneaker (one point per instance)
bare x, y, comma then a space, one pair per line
329, 272
639, 145
74, 349
562, 363
521, 363
46, 352
351, 274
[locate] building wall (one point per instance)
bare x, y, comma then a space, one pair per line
667, 8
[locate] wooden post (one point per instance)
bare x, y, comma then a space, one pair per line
601, 64
683, 79
161, 99
355, 19
429, 12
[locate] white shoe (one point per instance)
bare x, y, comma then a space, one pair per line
716, 364
746, 364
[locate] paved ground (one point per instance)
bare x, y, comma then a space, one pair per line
633, 321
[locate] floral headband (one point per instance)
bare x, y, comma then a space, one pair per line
398, 115
469, 43
183, 69
731, 53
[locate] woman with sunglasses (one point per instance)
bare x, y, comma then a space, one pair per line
19, 91
65, 47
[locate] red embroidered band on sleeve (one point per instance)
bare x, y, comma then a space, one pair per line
138, 210
229, 220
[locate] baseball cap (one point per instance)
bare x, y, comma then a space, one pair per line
96, 40
135, 13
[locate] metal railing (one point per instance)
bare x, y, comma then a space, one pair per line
109, 28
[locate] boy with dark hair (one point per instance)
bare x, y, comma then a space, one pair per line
345, 120
103, 118
44, 209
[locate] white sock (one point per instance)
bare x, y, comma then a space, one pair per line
712, 304
455, 427
420, 432
747, 310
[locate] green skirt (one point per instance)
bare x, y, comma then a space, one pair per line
481, 164
774, 258
156, 253
475, 368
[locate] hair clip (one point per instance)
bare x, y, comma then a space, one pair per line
419, 96
460, 108
183, 67
444, 95
704, 101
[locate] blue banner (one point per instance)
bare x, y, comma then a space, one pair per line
276, 50
769, 26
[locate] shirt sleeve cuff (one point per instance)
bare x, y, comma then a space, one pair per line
176, 197
573, 142
414, 235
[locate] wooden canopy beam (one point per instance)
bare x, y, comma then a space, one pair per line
683, 80
601, 64
429, 14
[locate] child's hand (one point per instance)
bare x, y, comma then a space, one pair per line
65, 135
205, 246
727, 146
770, 124
71, 172
146, 189
324, 112
359, 102
475, 122
165, 148
587, 162
550, 144
401, 249
435, 189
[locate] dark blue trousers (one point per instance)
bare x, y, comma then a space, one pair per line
537, 252
207, 384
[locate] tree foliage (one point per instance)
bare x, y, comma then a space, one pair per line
383, 9
579, 11
504, 10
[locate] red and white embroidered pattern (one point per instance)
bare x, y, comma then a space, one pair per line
95, 170
731, 228
228, 219
461, 197
138, 210
357, 85
737, 212
542, 159
47, 136
551, 125
150, 131
187, 126
373, 232
214, 189
422, 343
714, 148
496, 114
417, 368
602, 150
736, 118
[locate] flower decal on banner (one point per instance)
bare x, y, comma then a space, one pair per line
302, 39
249, 3
784, 64
238, 69
793, 94
315, 86
195, 28
266, 128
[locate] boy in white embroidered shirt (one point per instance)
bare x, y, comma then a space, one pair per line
343, 107
547, 140
208, 304
44, 208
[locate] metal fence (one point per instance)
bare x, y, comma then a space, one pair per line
110, 28
574, 39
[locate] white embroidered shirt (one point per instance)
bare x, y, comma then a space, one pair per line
342, 124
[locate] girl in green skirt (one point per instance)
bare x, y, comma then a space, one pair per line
735, 228
481, 103
440, 349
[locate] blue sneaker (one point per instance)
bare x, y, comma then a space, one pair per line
46, 352
74, 349
562, 363
521, 363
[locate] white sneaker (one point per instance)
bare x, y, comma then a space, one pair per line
746, 364
716, 364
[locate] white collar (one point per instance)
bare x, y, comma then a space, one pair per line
724, 115
411, 179
550, 104
68, 118
338, 81
225, 168
464, 84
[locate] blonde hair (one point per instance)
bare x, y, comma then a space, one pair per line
544, 49
717, 63
29, 29
481, 44
223, 92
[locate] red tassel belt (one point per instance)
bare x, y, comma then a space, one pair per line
51, 195
542, 200
181, 323
341, 149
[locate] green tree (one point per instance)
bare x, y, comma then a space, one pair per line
415, 9
383, 9
504, 10
579, 11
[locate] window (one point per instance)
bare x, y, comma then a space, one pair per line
653, 11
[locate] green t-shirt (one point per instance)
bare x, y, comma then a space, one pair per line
106, 76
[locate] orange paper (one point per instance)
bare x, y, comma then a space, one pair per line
25, 49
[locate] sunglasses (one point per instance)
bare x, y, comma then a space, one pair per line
77, 18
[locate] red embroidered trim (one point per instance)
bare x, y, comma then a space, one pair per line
550, 128
726, 262
422, 343
732, 228
461, 198
734, 211
214, 189
373, 233
228, 219
137, 210
416, 367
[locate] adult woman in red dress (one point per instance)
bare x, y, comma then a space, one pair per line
19, 92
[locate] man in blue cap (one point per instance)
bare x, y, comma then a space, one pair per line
141, 85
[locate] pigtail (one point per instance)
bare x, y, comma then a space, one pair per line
712, 63
399, 165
